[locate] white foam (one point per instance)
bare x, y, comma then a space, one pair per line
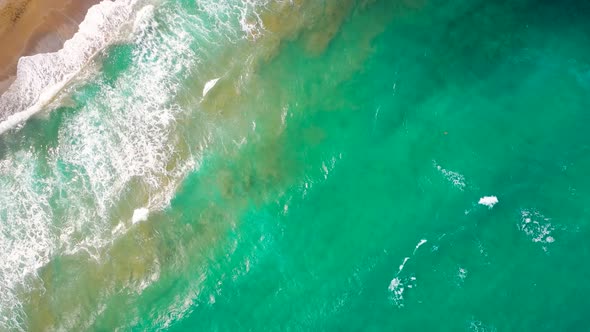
397, 284
479, 326
488, 201
284, 115
325, 170
140, 215
397, 287
420, 244
462, 274
90, 169
536, 226
251, 23
328, 166
26, 239
403, 264
144, 19
457, 179
210, 85
226, 13
45, 98
124, 139
40, 77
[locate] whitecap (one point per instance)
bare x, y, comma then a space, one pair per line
140, 215
210, 85
422, 241
462, 273
488, 201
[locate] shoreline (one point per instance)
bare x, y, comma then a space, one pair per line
29, 27
40, 77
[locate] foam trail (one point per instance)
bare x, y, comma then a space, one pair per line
40, 77
401, 267
419, 245
397, 285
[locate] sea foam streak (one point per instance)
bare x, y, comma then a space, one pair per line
397, 285
40, 77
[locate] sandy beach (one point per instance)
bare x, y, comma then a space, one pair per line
29, 27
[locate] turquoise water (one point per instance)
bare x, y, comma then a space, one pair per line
329, 180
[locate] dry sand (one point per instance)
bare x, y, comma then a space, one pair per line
29, 27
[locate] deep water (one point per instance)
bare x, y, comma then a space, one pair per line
328, 181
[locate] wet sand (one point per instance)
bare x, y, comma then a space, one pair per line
29, 27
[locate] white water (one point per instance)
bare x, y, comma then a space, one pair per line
61, 200
40, 77
140, 215
34, 184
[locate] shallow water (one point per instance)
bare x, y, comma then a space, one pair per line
305, 165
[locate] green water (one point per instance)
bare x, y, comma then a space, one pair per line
328, 181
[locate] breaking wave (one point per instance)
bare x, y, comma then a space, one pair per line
40, 77
120, 153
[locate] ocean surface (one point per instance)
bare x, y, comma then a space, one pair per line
301, 165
